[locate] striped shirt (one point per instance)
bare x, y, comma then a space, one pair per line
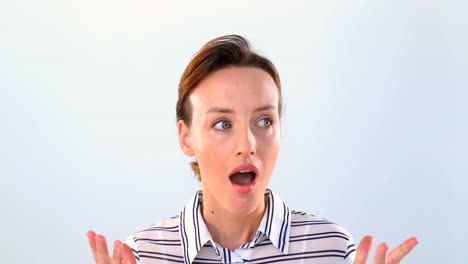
284, 236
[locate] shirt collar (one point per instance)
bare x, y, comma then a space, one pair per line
275, 225
276, 222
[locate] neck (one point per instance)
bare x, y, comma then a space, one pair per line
231, 231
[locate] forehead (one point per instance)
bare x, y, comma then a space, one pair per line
235, 87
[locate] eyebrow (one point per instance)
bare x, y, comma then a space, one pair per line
231, 111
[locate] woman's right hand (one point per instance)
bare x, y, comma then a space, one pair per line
381, 256
122, 253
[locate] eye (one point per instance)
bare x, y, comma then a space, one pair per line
265, 122
222, 125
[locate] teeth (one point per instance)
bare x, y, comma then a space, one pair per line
245, 171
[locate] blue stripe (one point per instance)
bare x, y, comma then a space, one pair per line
259, 234
169, 228
288, 225
158, 240
272, 214
205, 259
322, 237
161, 230
266, 242
162, 254
324, 223
196, 205
302, 255
165, 244
268, 215
280, 239
347, 254
184, 237
322, 233
311, 222
224, 256
161, 258
286, 228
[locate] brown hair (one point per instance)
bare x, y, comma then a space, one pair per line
217, 54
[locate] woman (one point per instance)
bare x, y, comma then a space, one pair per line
228, 112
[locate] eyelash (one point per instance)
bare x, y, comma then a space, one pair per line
221, 122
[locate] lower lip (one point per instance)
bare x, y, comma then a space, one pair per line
244, 189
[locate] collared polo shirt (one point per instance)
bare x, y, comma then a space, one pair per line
284, 236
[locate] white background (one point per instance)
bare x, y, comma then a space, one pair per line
375, 128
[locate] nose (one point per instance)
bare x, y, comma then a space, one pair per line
246, 143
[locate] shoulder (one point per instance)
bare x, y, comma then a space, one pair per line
314, 236
166, 228
319, 231
303, 222
157, 242
164, 233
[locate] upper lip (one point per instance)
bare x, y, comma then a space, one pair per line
247, 166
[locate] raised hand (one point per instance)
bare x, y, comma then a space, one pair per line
381, 255
122, 253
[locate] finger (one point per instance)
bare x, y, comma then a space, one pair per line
92, 244
127, 255
363, 250
117, 255
398, 253
380, 253
102, 252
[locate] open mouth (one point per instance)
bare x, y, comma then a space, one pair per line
243, 177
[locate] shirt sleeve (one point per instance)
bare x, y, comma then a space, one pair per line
131, 243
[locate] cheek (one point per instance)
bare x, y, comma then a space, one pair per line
268, 147
270, 152
212, 152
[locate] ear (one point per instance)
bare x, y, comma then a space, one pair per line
184, 138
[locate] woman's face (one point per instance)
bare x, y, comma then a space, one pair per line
234, 135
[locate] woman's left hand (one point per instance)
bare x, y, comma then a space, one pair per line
381, 255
